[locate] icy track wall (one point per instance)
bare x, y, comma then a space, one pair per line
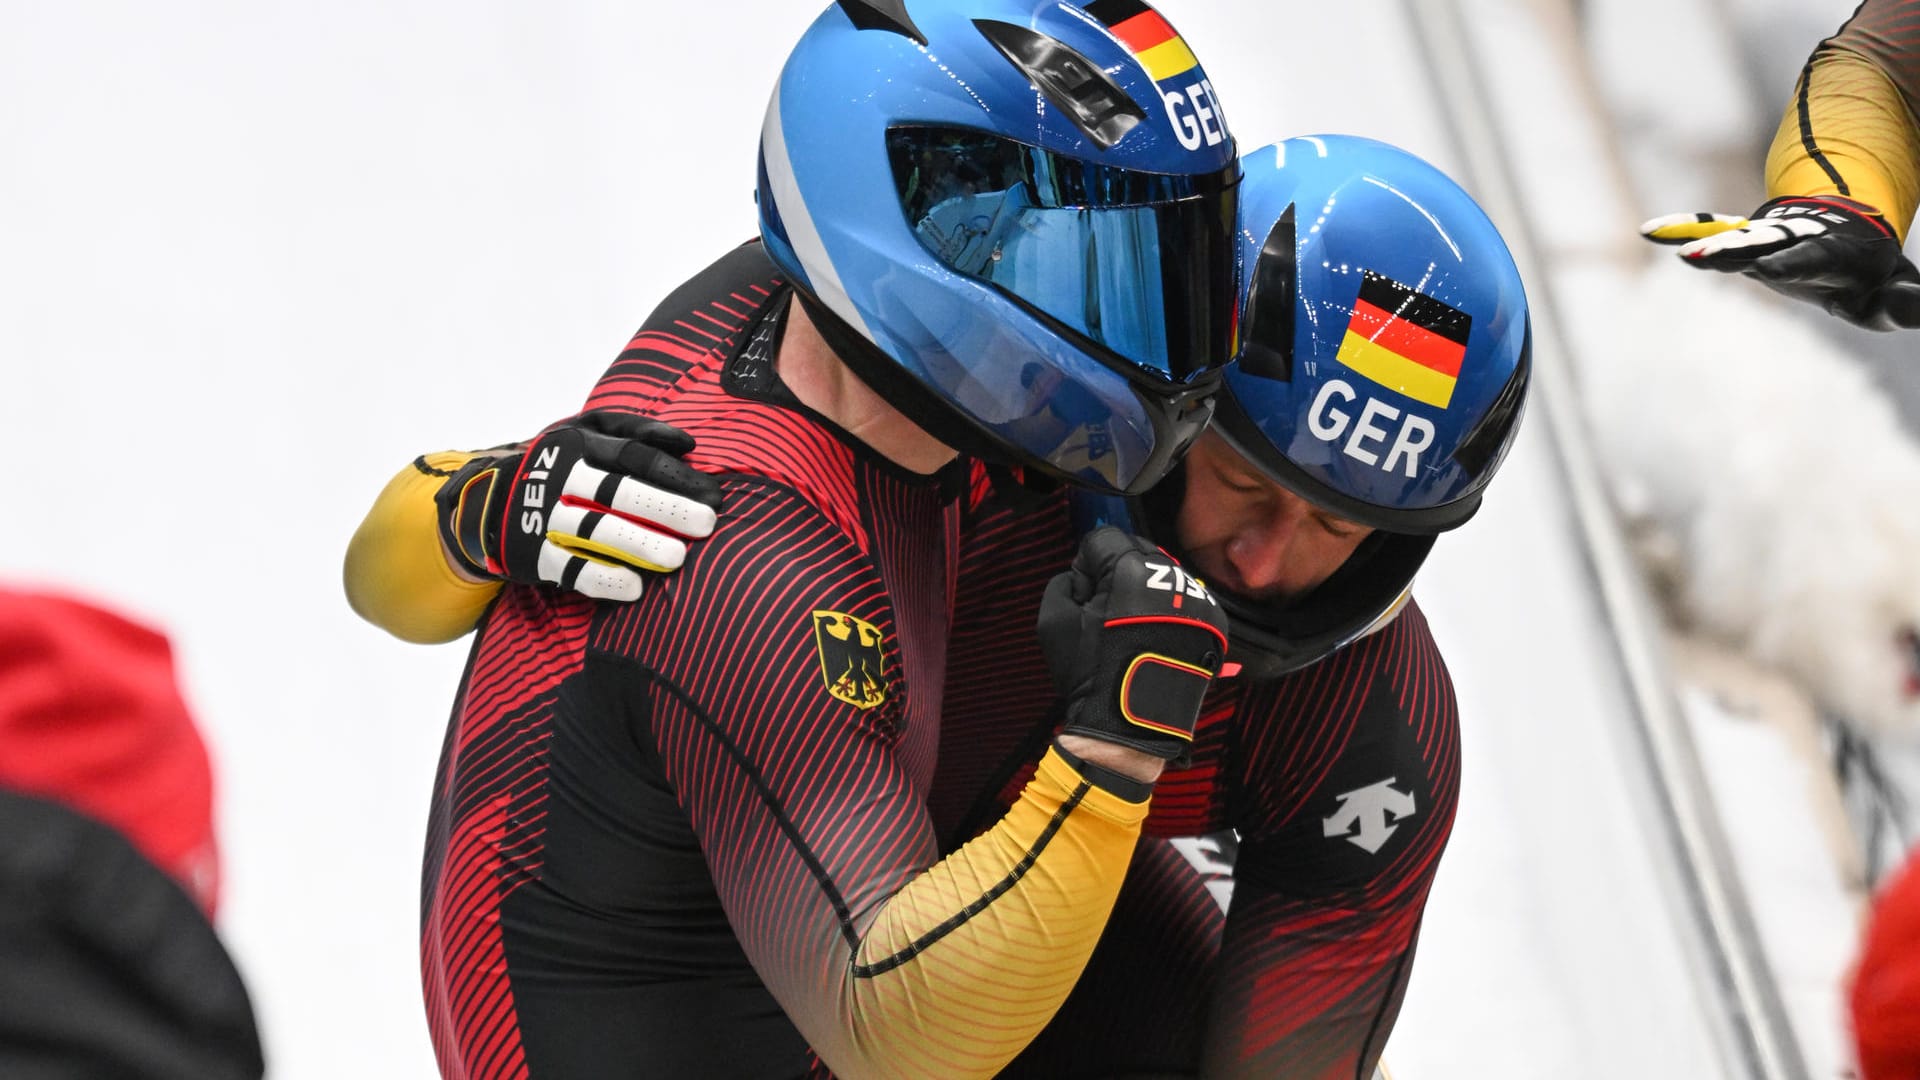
259, 255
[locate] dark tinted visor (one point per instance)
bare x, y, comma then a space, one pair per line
1141, 264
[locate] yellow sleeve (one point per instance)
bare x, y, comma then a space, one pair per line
397, 574
1851, 130
930, 992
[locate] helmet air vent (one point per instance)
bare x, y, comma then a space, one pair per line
888, 15
1267, 331
1490, 436
1074, 84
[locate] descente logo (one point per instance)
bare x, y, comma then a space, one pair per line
1368, 817
533, 491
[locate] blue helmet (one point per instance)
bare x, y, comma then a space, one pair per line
1385, 353
1023, 206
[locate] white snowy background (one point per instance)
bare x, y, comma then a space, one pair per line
255, 256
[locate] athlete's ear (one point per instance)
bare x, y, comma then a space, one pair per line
883, 15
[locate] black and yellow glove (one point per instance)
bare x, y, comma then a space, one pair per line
586, 506
1830, 251
1132, 641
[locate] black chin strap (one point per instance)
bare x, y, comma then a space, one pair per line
1023, 490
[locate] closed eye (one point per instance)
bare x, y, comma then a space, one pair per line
1242, 487
1238, 482
1339, 527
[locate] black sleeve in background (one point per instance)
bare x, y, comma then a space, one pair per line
107, 968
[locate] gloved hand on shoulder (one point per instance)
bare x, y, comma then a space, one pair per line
586, 506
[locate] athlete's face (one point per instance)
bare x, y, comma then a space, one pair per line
1245, 533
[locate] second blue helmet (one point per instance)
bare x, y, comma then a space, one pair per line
1383, 369
1386, 346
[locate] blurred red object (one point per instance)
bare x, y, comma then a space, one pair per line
1886, 981
91, 717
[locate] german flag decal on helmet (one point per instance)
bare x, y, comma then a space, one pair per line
1406, 341
850, 658
1150, 38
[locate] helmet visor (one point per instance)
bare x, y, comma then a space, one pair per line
1140, 264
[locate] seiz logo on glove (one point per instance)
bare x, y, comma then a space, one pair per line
533, 488
1174, 578
1827, 250
587, 506
1132, 641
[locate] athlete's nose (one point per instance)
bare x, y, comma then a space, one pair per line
1258, 551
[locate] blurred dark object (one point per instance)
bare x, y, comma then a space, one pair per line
107, 968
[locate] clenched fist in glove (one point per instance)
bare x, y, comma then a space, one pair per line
1133, 641
1824, 249
585, 506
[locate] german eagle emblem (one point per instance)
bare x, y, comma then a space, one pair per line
850, 658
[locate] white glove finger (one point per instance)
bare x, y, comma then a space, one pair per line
664, 509
603, 582
640, 501
614, 538
589, 577
1754, 241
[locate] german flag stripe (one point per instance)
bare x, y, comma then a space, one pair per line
1418, 344
1417, 308
1395, 372
1144, 31
1166, 60
1152, 40
1115, 12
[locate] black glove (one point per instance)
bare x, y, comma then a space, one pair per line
1834, 252
1132, 640
585, 506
